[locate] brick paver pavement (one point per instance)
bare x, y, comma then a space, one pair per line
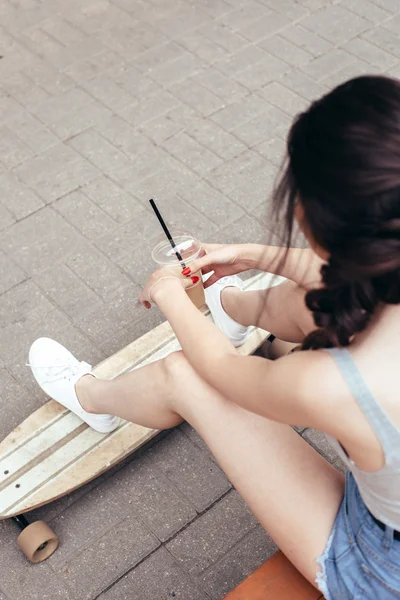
104, 103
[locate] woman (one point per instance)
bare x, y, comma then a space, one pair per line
342, 186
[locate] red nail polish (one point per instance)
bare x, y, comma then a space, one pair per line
186, 271
195, 279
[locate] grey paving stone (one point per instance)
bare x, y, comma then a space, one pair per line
274, 150
151, 496
84, 214
160, 54
212, 535
212, 203
9, 108
260, 74
284, 99
215, 138
220, 84
202, 47
270, 123
99, 151
282, 48
45, 320
10, 274
223, 36
181, 19
241, 60
98, 272
192, 154
13, 151
319, 442
15, 403
176, 120
83, 523
56, 172
239, 112
104, 89
370, 53
130, 78
40, 240
385, 39
57, 107
33, 133
247, 179
80, 119
328, 64
66, 290
53, 81
140, 112
177, 70
249, 553
335, 24
146, 229
289, 8
116, 317
23, 89
19, 200
88, 68
6, 218
189, 469
112, 199
248, 230
197, 96
303, 85
305, 39
265, 26
368, 10
125, 137
244, 15
121, 338
90, 572
355, 69
157, 578
392, 24
21, 579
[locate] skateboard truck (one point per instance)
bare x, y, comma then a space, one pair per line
36, 540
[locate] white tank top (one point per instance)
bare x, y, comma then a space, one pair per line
379, 490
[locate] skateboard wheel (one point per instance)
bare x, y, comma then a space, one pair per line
37, 541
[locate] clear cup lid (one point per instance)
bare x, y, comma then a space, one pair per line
186, 245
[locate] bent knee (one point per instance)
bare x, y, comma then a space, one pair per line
177, 366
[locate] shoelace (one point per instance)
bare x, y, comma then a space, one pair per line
57, 372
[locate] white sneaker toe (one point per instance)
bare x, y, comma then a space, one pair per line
236, 333
56, 371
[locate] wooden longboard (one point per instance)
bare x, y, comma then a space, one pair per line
53, 452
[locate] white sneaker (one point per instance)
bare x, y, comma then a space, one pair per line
56, 370
234, 331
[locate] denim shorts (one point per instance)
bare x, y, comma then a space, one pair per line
361, 561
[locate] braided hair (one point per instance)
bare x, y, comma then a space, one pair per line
344, 167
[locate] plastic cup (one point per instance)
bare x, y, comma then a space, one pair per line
189, 248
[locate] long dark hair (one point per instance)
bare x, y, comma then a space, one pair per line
343, 165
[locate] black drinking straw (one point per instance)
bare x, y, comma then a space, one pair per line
167, 233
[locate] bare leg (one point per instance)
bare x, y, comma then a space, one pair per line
280, 310
294, 493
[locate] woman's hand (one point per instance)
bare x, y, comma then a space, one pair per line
163, 281
223, 260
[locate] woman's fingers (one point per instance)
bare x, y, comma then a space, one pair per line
211, 280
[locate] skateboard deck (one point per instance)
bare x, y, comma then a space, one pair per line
53, 452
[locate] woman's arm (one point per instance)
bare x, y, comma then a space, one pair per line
283, 390
300, 265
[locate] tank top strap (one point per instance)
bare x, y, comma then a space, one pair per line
386, 431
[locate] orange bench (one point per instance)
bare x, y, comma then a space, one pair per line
276, 579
